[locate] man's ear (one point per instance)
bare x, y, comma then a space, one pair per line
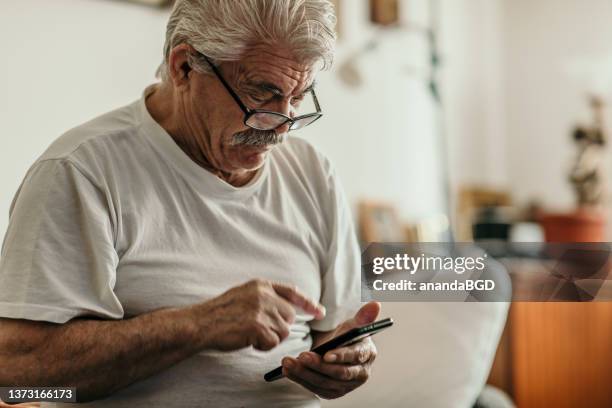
178, 65
186, 68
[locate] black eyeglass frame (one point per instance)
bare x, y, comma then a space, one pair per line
248, 113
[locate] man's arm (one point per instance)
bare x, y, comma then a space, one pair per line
100, 357
97, 357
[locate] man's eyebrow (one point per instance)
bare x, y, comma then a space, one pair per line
265, 86
270, 87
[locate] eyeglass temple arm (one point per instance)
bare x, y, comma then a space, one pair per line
316, 100
244, 108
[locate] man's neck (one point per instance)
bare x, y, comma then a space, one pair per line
160, 107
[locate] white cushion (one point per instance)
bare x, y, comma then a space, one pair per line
436, 355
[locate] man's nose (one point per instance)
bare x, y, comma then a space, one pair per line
285, 108
282, 129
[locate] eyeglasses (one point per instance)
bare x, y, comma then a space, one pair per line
261, 119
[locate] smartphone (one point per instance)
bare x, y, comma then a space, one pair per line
345, 339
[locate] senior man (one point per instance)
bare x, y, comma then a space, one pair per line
169, 253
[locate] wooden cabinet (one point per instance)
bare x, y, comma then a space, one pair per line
556, 355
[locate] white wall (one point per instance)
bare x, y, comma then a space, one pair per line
550, 46
64, 62
516, 77
382, 135
473, 90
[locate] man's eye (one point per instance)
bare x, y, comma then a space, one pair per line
257, 98
296, 100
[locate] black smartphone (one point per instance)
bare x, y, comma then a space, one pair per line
345, 339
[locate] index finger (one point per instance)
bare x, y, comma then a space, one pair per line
300, 300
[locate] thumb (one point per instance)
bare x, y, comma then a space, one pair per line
367, 314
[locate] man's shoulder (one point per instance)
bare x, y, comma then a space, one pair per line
95, 136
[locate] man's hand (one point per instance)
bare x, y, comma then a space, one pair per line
340, 370
28, 405
256, 314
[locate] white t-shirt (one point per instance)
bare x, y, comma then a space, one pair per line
114, 220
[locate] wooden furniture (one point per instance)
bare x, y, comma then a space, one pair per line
470, 200
384, 12
556, 354
380, 222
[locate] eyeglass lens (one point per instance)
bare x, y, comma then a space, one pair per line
298, 124
270, 121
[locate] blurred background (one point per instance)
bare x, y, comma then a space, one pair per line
486, 118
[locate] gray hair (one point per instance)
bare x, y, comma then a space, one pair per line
223, 29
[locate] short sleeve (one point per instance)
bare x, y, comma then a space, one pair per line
58, 257
340, 281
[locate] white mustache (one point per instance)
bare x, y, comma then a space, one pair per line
254, 137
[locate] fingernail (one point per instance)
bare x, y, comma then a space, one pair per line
288, 363
323, 310
331, 358
305, 358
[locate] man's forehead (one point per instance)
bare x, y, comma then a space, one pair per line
278, 80
276, 72
278, 89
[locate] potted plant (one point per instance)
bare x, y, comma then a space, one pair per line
587, 222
